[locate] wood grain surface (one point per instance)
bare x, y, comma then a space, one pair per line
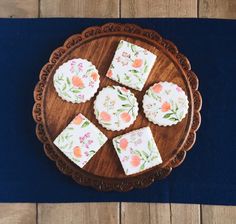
159, 213
218, 214
160, 8
173, 142
217, 9
73, 213
19, 8
81, 8
182, 213
18, 213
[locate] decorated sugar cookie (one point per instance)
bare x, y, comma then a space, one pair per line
115, 108
137, 151
76, 80
165, 104
80, 140
131, 65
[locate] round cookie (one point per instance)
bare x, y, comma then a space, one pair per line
76, 80
165, 104
115, 108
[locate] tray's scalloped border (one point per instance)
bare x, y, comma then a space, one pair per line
112, 184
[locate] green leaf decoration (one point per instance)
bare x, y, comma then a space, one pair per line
177, 108
66, 94
126, 105
127, 77
119, 92
138, 153
64, 87
173, 119
122, 97
118, 149
133, 48
142, 167
120, 110
167, 115
68, 81
89, 70
75, 91
145, 154
145, 69
134, 71
149, 145
85, 124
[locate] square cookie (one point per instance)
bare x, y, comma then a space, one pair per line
80, 140
131, 65
137, 150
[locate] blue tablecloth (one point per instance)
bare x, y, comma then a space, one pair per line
208, 174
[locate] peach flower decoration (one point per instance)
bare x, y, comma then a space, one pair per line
77, 152
157, 88
123, 143
135, 160
137, 63
77, 82
78, 119
165, 107
94, 76
125, 117
105, 116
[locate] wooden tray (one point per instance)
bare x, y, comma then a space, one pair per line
52, 114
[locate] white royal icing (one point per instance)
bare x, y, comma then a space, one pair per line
76, 80
115, 108
165, 104
137, 150
131, 65
80, 140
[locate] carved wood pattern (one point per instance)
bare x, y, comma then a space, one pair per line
102, 183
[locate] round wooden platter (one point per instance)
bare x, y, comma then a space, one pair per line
98, 44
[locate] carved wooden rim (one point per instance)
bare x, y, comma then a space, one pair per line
108, 184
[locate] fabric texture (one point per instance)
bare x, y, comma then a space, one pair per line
208, 174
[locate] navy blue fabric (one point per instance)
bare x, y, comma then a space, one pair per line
208, 174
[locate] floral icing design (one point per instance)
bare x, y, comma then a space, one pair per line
137, 151
115, 107
131, 65
165, 104
76, 81
80, 140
